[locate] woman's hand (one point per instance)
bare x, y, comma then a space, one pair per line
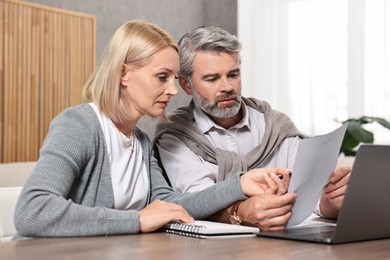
265, 181
158, 213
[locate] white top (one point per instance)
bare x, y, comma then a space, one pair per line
188, 172
128, 171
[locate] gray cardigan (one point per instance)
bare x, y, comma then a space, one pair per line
69, 192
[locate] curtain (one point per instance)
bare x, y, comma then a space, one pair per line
318, 61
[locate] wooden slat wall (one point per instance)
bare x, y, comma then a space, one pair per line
46, 56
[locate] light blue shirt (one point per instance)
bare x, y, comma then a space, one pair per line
188, 172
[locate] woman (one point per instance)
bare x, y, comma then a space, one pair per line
96, 174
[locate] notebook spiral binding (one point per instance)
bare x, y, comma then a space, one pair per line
184, 229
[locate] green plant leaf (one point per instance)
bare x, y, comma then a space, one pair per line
383, 122
356, 133
359, 133
349, 143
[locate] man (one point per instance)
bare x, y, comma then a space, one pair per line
221, 133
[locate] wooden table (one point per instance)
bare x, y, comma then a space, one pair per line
170, 246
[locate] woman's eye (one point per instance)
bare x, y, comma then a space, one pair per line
162, 78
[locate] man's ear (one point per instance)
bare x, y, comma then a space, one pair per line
125, 75
185, 85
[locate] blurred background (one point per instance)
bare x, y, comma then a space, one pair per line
319, 61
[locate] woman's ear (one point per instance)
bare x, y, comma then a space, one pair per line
185, 85
125, 75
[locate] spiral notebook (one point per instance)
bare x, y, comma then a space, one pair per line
209, 229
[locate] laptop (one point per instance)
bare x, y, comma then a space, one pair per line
365, 213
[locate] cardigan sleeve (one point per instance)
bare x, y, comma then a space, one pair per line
69, 192
199, 205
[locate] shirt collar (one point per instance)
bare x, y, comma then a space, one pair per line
205, 123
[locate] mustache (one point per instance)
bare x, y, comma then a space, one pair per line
227, 96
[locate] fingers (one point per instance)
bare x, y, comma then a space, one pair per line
271, 183
265, 180
281, 183
280, 201
268, 211
158, 213
334, 193
178, 213
282, 172
275, 223
277, 216
275, 184
339, 174
338, 182
281, 177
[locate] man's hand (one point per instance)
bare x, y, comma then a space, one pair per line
265, 181
269, 212
333, 196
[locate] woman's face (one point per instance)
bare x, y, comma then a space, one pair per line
149, 88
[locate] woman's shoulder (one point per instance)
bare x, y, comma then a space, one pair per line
78, 122
81, 110
82, 114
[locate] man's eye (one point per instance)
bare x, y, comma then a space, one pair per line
211, 79
234, 75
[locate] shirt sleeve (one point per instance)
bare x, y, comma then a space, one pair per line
292, 148
317, 210
186, 171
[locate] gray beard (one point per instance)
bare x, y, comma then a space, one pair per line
215, 111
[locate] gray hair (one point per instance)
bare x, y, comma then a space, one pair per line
205, 39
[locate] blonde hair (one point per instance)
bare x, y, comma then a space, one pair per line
134, 43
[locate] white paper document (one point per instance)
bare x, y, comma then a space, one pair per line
315, 161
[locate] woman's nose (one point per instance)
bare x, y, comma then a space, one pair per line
171, 89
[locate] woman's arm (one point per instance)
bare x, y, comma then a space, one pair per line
69, 192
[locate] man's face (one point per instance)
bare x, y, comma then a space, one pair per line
216, 84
